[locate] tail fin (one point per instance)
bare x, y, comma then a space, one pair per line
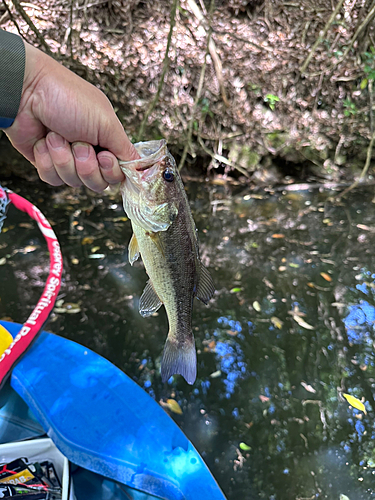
179, 358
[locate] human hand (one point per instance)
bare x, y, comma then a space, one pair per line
60, 118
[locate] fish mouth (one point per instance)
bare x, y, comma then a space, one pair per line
150, 152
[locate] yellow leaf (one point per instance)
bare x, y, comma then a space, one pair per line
326, 276
356, 403
87, 240
174, 406
302, 323
277, 322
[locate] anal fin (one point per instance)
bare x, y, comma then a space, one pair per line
133, 250
149, 301
206, 287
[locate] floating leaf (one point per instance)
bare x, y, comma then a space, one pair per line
97, 256
174, 406
292, 264
3, 261
245, 447
277, 322
326, 276
356, 403
310, 284
235, 290
282, 268
233, 333
87, 240
344, 497
302, 322
308, 387
278, 236
264, 399
216, 374
257, 306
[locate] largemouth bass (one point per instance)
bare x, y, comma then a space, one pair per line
164, 234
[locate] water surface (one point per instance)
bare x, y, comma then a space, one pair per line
289, 331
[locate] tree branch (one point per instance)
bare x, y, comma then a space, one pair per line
321, 36
163, 73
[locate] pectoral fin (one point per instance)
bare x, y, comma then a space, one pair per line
206, 287
133, 250
149, 301
156, 238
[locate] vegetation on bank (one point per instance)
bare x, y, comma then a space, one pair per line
257, 89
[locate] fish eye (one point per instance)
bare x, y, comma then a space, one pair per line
168, 175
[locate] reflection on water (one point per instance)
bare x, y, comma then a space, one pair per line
290, 329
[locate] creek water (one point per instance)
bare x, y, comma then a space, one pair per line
289, 331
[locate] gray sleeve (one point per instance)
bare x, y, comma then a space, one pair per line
12, 70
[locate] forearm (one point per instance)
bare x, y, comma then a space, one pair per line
12, 70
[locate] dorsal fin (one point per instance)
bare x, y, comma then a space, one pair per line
149, 301
206, 287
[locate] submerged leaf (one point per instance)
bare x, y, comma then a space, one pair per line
216, 374
245, 447
308, 387
174, 406
277, 322
356, 403
302, 322
235, 290
326, 276
257, 306
278, 236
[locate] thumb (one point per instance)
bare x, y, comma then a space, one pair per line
114, 138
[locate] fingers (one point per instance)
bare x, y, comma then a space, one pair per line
110, 168
59, 162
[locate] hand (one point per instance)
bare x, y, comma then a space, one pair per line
60, 118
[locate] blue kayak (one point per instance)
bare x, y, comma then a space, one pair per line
103, 422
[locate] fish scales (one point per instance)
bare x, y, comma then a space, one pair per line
164, 234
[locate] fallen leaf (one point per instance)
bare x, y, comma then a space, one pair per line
264, 399
326, 276
278, 236
356, 403
244, 447
87, 240
174, 406
257, 306
277, 322
302, 322
97, 256
308, 387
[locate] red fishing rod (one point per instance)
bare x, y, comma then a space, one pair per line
39, 316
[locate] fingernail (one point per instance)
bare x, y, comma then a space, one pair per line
106, 162
81, 151
41, 147
56, 140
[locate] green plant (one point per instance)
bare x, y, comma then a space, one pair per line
271, 100
350, 107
